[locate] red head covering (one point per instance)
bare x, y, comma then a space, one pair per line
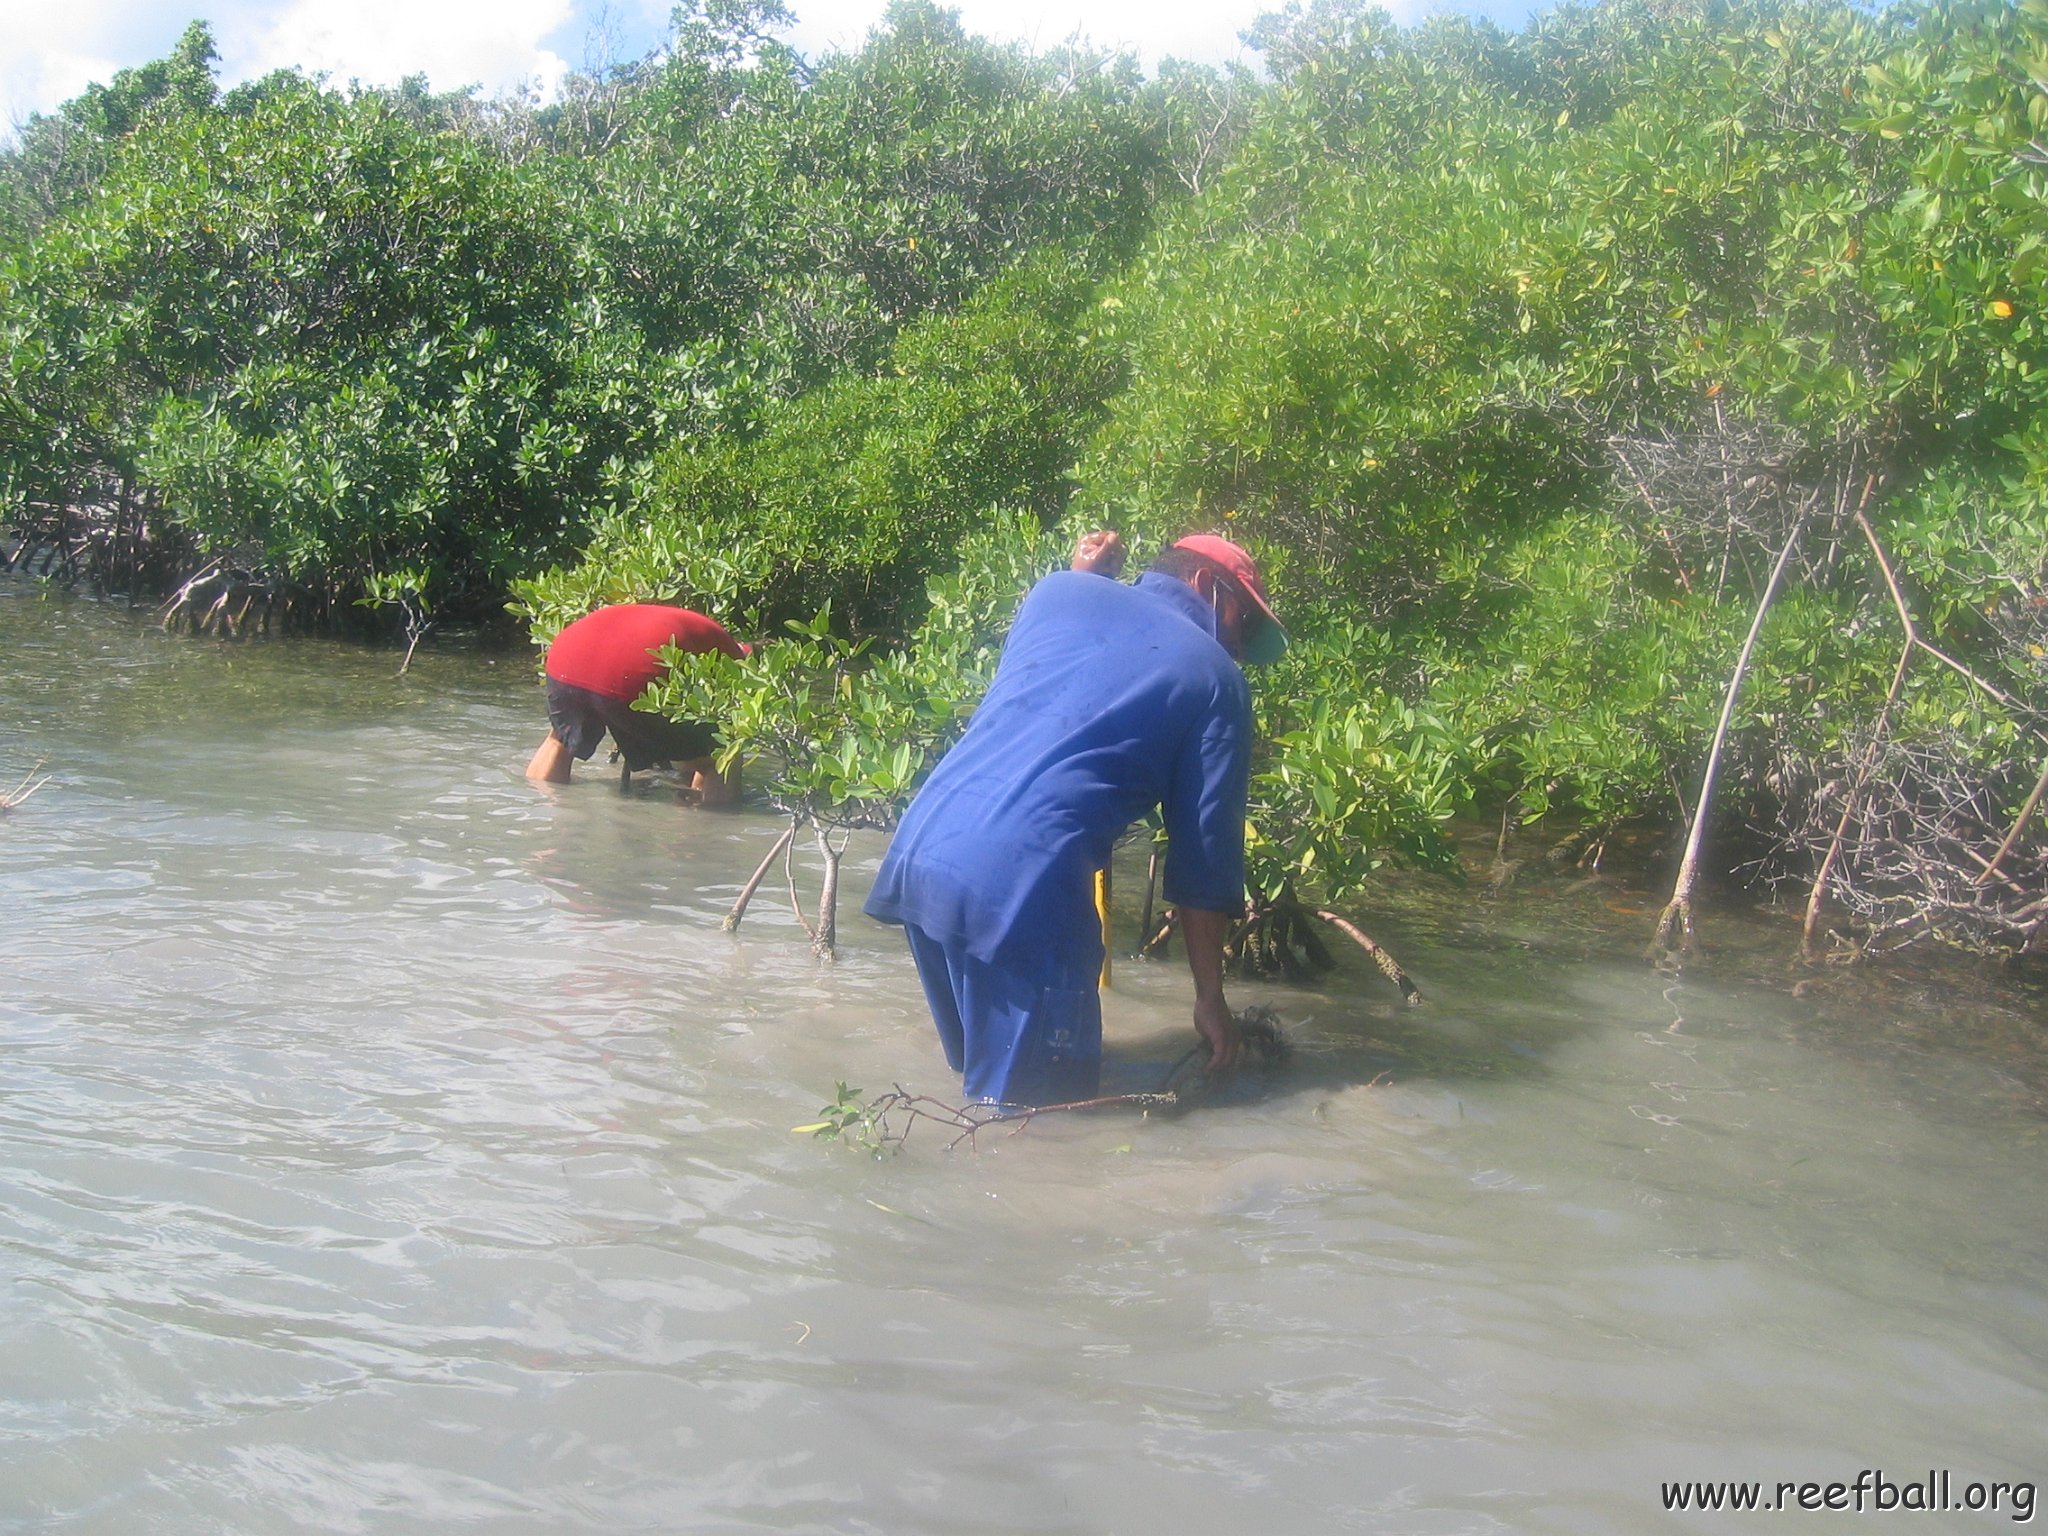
1266, 641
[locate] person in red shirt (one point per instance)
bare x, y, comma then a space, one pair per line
599, 665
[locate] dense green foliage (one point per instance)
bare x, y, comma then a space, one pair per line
855, 492
1518, 357
380, 337
1412, 348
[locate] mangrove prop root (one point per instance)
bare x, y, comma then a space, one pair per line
1312, 945
1237, 950
746, 895
1389, 966
824, 943
1160, 941
1278, 943
181, 603
1922, 861
1264, 943
789, 878
1292, 933
1279, 938
1868, 764
1905, 856
2019, 825
228, 603
1677, 914
1674, 923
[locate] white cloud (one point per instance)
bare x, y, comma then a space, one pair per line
51, 52
51, 49
454, 43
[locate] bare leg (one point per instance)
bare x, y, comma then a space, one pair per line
551, 760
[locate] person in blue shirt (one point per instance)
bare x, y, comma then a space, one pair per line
1108, 700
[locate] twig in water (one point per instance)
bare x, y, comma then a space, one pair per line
868, 1125
24, 789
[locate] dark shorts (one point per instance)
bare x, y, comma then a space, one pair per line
579, 719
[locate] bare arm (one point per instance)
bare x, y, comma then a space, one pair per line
551, 762
1205, 934
713, 789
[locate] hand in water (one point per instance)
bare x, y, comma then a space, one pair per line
1101, 552
1215, 1023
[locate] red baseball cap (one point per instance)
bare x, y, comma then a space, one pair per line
1264, 642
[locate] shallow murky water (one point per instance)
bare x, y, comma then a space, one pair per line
387, 1146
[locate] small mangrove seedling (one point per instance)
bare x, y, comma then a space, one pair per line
851, 1119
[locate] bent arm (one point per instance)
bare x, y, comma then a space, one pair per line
714, 789
550, 762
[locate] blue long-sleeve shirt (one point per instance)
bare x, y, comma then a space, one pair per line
1108, 700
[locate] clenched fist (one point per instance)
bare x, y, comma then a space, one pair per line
1101, 552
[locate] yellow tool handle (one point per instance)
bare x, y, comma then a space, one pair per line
1102, 912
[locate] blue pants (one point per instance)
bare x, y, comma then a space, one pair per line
1025, 1033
